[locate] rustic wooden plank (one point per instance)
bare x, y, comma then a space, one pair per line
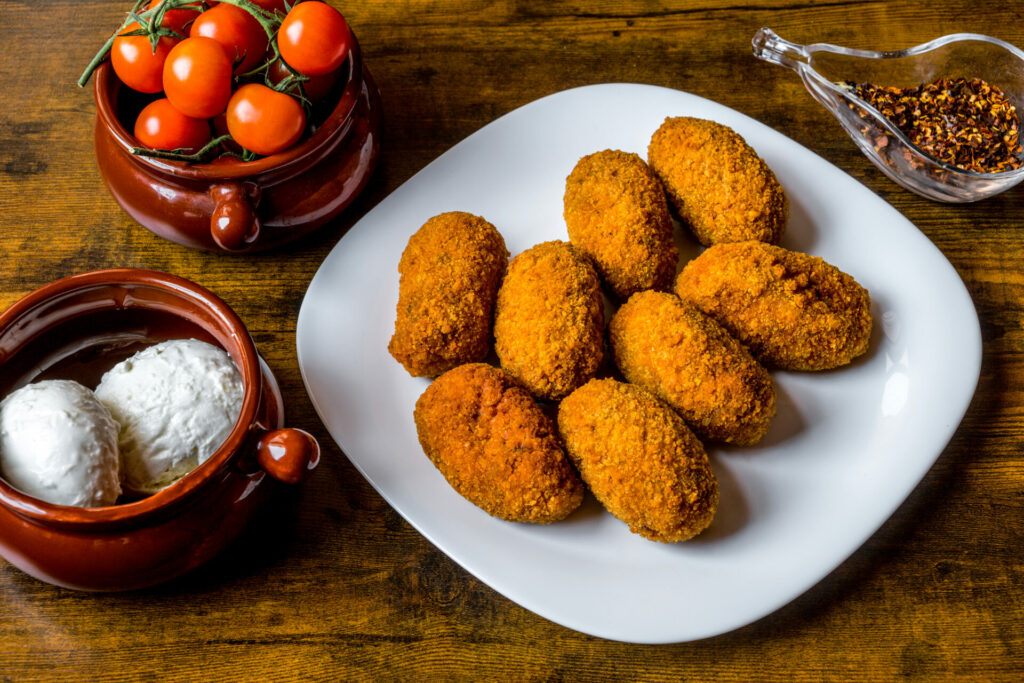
341, 586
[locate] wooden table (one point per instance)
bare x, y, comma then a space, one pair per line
342, 586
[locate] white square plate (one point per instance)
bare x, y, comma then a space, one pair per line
845, 450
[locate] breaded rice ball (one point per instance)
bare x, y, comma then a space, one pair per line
450, 273
639, 459
495, 446
616, 212
722, 190
549, 321
792, 310
689, 361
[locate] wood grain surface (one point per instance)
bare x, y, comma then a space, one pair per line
335, 584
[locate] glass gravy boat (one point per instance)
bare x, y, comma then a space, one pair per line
824, 68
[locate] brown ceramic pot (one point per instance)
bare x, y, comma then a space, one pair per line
79, 327
238, 206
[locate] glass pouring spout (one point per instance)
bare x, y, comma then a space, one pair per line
829, 73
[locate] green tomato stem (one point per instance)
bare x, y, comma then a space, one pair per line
176, 155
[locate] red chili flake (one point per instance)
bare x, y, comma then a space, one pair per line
969, 124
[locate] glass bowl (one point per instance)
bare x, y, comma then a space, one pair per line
824, 68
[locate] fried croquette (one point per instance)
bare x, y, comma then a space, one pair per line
616, 213
792, 310
639, 459
718, 184
450, 272
495, 446
549, 321
689, 361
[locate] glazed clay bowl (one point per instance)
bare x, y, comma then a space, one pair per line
235, 206
79, 327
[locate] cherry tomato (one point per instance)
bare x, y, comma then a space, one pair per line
176, 19
161, 126
316, 88
243, 38
314, 38
135, 62
263, 120
197, 77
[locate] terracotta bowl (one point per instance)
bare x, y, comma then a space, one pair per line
79, 327
236, 206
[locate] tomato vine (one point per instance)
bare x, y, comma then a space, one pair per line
150, 19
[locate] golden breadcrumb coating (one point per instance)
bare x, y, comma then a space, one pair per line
615, 211
450, 273
639, 459
722, 190
792, 310
495, 446
549, 321
689, 361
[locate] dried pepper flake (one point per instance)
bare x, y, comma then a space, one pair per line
969, 124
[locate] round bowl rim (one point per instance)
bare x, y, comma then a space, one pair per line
249, 368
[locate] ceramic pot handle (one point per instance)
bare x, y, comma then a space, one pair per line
234, 224
288, 455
